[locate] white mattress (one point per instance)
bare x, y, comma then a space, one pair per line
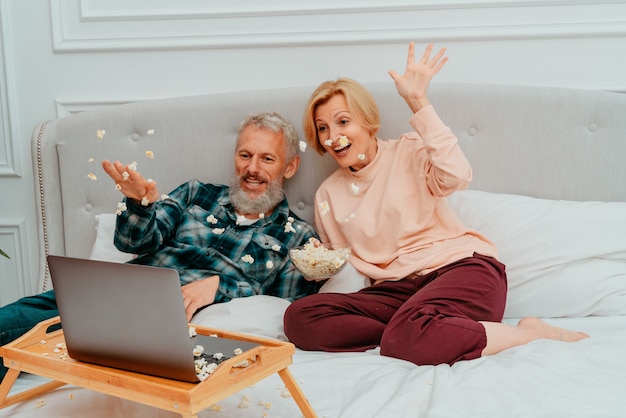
540, 379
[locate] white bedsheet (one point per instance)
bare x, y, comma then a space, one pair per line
540, 379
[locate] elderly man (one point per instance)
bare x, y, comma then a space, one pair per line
225, 241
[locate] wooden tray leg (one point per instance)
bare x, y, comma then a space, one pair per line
7, 384
297, 394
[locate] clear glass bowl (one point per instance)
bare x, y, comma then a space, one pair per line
320, 261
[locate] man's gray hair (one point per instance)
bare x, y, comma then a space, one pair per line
275, 122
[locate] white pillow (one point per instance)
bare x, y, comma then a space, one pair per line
103, 248
563, 258
257, 315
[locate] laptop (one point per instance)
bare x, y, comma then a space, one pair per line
130, 317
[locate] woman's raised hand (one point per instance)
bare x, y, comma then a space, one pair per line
413, 84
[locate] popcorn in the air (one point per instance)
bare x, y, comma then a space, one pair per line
90, 160
343, 140
192, 331
121, 207
133, 166
247, 259
269, 264
117, 186
240, 219
150, 155
328, 142
355, 189
276, 247
125, 175
361, 157
261, 215
302, 146
215, 407
150, 132
100, 133
324, 207
92, 176
145, 201
164, 197
211, 219
218, 231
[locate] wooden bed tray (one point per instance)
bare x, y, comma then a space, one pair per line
27, 354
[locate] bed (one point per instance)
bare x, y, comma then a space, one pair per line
549, 189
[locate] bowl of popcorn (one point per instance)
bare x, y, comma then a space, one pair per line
317, 260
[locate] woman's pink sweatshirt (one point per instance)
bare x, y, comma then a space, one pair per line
394, 213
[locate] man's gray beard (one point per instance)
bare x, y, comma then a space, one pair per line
264, 203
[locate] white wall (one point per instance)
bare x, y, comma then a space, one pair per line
63, 56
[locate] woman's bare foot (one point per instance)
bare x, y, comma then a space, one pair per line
543, 330
501, 336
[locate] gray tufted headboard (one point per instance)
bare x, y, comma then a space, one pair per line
543, 142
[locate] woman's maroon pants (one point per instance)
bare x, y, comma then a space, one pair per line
427, 319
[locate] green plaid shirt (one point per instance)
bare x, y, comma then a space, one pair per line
194, 230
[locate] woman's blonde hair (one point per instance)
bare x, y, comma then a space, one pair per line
361, 105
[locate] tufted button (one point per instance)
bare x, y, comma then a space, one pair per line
135, 136
592, 127
471, 131
88, 207
300, 205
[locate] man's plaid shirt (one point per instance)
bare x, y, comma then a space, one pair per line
195, 231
